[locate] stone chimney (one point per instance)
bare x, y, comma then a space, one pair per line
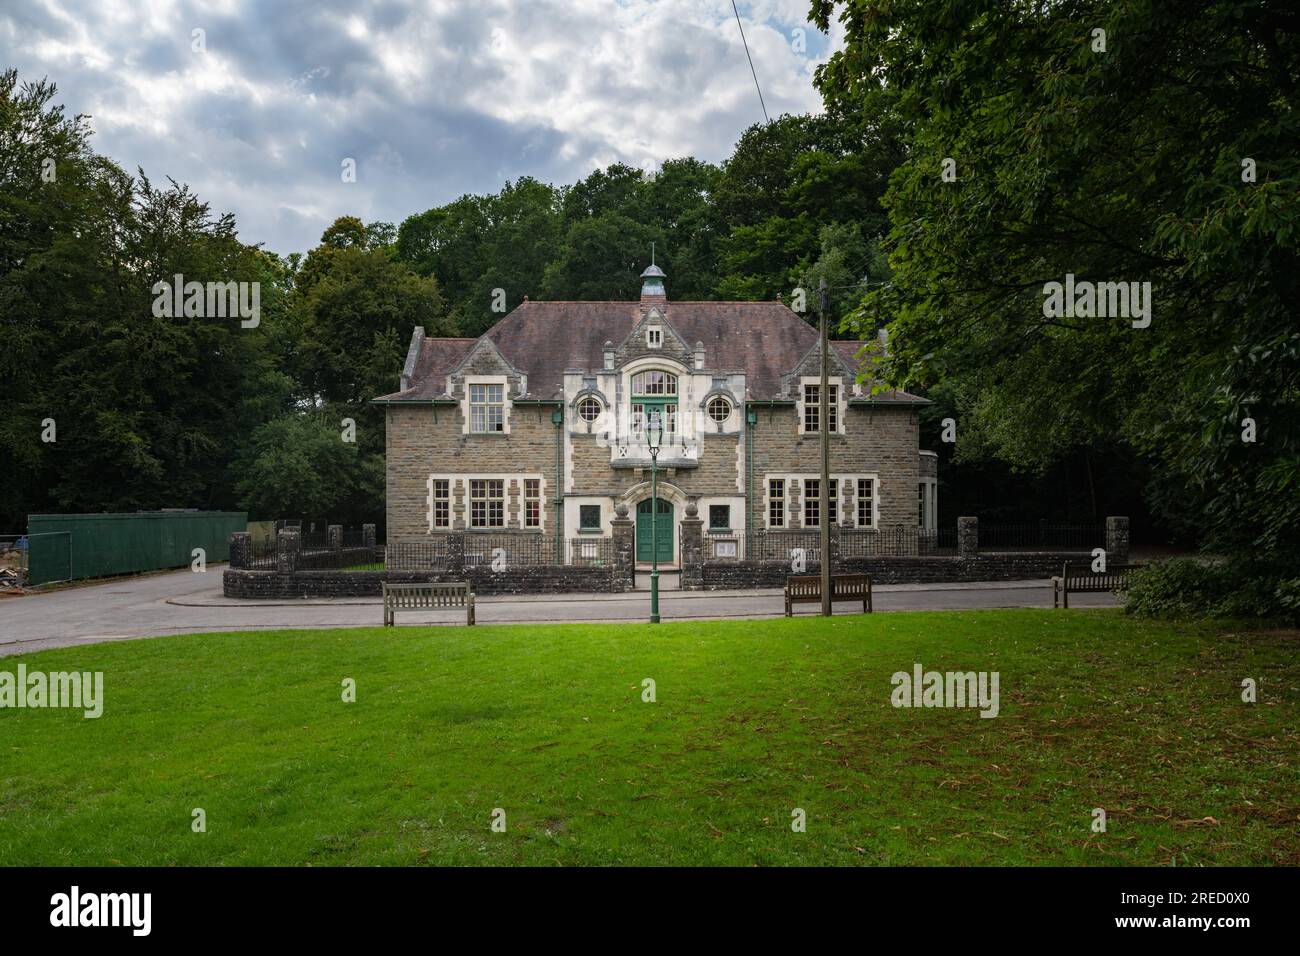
412, 356
609, 354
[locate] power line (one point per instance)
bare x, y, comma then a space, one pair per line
766, 118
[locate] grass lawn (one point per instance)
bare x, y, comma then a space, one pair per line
752, 719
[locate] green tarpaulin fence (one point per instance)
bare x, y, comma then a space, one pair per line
69, 547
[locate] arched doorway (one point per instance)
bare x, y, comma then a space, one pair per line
661, 541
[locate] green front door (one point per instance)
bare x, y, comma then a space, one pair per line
663, 533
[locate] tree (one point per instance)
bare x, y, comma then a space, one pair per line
296, 465
601, 258
1164, 154
786, 181
355, 307
143, 405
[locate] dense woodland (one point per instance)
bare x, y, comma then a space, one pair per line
1123, 164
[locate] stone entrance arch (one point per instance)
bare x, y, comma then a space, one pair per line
667, 491
676, 499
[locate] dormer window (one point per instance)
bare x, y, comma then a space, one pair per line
654, 337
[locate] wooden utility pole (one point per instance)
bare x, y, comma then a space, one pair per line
824, 421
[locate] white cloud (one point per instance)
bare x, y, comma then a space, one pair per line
432, 99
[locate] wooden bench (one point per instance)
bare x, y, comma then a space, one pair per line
1081, 579
807, 589
416, 597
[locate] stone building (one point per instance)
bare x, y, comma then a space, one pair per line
538, 426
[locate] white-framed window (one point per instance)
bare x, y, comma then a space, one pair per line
812, 502
776, 503
487, 503
487, 407
812, 408
532, 503
850, 496
866, 501
654, 337
589, 409
719, 409
439, 503
927, 497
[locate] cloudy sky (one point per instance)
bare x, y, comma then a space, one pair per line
430, 98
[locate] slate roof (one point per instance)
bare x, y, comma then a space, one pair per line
545, 339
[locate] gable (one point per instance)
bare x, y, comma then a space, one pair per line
636, 346
484, 359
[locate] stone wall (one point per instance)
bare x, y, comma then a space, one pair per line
289, 580
1000, 566
240, 583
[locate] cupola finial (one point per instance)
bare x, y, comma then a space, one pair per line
652, 280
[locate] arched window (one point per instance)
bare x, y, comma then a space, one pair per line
589, 409
653, 391
654, 382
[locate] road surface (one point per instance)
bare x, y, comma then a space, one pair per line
183, 602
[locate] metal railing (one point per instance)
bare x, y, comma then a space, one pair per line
846, 542
536, 550
898, 542
850, 543
436, 552
423, 554
509, 550
1041, 537
261, 555
761, 545
348, 552
590, 551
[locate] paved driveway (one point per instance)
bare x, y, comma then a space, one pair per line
183, 602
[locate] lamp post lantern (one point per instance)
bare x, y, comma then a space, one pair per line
654, 435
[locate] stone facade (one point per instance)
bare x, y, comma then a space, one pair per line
879, 443
538, 425
423, 440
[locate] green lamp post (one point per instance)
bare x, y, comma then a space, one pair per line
654, 435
